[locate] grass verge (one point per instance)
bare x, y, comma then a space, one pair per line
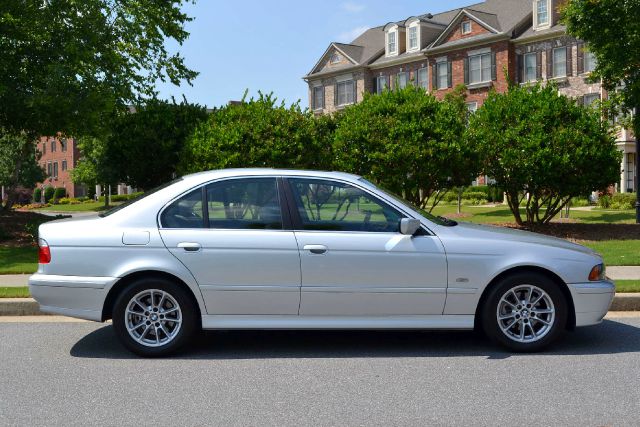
617, 252
627, 286
18, 260
82, 207
11, 292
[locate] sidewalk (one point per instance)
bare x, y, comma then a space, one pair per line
614, 273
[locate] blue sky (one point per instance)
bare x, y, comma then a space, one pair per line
270, 45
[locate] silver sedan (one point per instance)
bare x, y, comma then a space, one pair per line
279, 249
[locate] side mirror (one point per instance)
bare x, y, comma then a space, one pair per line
409, 226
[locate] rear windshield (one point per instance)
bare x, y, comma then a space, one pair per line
137, 199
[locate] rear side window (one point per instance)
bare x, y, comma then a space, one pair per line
244, 204
186, 212
335, 206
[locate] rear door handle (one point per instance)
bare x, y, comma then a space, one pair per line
190, 247
316, 249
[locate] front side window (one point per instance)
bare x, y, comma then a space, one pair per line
530, 67
382, 84
244, 204
391, 41
480, 68
403, 79
318, 97
560, 62
49, 169
589, 62
64, 165
466, 27
335, 206
423, 81
442, 69
346, 93
413, 37
53, 146
63, 145
542, 12
55, 169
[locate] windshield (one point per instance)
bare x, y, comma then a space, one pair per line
137, 199
435, 219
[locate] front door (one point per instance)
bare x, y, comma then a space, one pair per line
231, 236
354, 260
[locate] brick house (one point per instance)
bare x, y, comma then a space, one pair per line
59, 156
473, 45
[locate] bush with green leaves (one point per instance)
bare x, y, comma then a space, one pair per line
49, 192
408, 142
618, 201
59, 193
37, 195
259, 133
543, 149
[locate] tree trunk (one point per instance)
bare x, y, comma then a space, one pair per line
459, 200
636, 134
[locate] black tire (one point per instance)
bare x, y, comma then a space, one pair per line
188, 327
490, 322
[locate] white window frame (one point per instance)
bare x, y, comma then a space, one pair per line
393, 43
424, 81
348, 92
462, 27
526, 68
413, 36
382, 84
403, 79
442, 65
316, 89
472, 106
482, 58
593, 62
554, 64
537, 15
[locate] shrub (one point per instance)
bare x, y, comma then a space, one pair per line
475, 196
37, 195
58, 194
623, 201
48, 194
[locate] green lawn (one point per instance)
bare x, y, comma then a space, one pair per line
82, 207
617, 252
10, 292
18, 260
627, 286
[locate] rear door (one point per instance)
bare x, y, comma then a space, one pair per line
354, 260
234, 238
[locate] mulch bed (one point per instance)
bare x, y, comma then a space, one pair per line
586, 232
15, 227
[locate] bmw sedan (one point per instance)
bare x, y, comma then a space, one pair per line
281, 249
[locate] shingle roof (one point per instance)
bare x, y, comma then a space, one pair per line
488, 18
531, 32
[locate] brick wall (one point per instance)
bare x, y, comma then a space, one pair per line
70, 156
476, 30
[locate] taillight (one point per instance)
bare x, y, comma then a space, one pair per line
44, 254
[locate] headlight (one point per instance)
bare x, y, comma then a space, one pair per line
597, 273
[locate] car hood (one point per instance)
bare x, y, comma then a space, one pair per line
489, 232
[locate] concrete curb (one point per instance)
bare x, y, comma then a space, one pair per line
29, 307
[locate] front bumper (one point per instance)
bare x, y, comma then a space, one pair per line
73, 296
592, 301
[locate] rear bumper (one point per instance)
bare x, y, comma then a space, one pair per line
73, 296
592, 301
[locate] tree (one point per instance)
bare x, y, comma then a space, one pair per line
259, 133
543, 148
408, 142
612, 30
68, 65
95, 166
144, 146
18, 165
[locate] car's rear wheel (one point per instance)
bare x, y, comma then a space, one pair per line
154, 317
525, 312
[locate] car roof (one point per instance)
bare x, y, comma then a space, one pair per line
226, 173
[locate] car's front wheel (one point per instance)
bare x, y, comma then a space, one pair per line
154, 317
525, 312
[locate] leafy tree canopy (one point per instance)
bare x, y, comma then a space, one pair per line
408, 142
259, 133
18, 164
534, 140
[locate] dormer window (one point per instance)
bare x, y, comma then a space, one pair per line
336, 58
413, 38
542, 13
466, 27
392, 42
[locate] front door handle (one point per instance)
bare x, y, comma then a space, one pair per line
316, 249
190, 247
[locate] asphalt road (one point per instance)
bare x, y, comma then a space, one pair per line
78, 374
